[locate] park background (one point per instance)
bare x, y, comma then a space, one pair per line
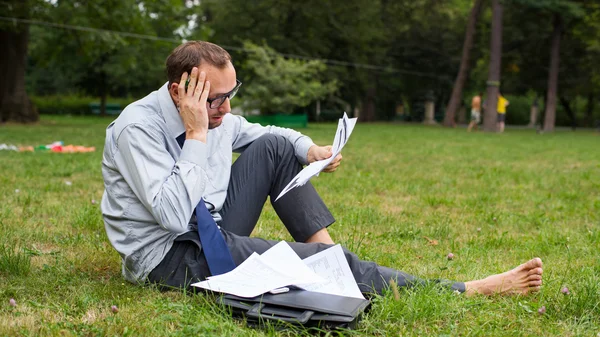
407, 194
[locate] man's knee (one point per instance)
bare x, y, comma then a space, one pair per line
276, 144
270, 139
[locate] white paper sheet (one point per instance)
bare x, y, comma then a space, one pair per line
332, 265
251, 278
345, 127
278, 267
325, 272
282, 258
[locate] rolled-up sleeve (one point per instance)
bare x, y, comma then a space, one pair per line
168, 189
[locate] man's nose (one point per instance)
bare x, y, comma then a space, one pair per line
226, 106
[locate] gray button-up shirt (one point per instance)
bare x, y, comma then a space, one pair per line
152, 186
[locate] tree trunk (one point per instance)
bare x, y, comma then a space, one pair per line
368, 106
550, 115
15, 105
567, 106
463, 72
493, 84
589, 113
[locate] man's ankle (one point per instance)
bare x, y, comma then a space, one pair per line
321, 236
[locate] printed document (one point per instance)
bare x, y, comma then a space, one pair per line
325, 272
251, 278
332, 265
345, 127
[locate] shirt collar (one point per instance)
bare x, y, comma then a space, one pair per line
170, 112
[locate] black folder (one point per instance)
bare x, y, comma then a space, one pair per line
298, 307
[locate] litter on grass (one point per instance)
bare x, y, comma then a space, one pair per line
58, 147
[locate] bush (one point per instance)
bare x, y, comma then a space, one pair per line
519, 109
71, 104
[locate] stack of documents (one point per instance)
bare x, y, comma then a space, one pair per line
325, 272
345, 127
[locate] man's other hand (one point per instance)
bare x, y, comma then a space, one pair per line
316, 153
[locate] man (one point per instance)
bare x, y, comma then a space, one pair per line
155, 179
502, 104
475, 112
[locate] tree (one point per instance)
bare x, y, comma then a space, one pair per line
102, 62
15, 105
562, 9
550, 113
564, 15
463, 71
493, 83
281, 85
351, 33
425, 37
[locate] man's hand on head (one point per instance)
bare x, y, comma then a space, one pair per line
316, 153
192, 104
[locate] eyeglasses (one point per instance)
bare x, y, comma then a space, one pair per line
216, 102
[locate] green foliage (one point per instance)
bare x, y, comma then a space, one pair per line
566, 8
519, 109
99, 62
420, 40
281, 85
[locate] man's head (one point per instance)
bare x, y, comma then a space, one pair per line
480, 94
216, 63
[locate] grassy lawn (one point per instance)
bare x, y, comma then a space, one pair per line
492, 200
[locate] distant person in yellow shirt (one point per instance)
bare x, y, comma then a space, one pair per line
501, 108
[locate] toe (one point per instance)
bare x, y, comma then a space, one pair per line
536, 271
533, 263
535, 283
534, 277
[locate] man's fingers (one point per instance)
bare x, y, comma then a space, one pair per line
193, 80
205, 92
181, 87
333, 166
336, 160
325, 152
330, 169
200, 86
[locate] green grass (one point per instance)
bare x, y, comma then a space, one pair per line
492, 200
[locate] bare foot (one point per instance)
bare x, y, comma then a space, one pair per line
521, 280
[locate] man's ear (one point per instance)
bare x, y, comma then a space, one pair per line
174, 91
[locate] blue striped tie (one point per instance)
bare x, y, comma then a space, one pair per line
215, 249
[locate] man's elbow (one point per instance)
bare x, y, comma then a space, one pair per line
172, 222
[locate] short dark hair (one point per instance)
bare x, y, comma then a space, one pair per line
192, 54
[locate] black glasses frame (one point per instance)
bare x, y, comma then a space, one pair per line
216, 102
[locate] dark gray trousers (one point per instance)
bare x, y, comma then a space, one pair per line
263, 169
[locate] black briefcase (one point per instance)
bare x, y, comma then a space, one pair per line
298, 307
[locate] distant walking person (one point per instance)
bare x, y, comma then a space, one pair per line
502, 104
475, 112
